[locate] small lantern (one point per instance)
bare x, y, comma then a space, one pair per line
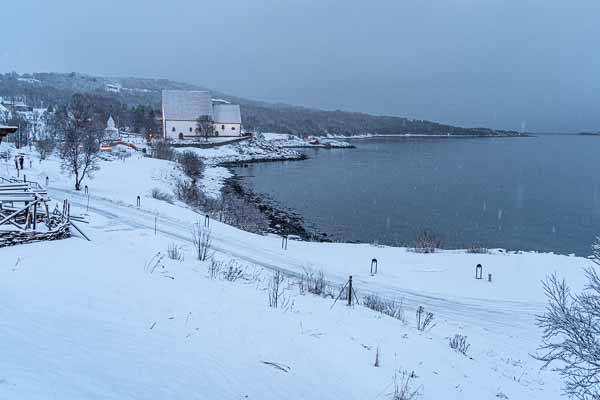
373, 266
478, 271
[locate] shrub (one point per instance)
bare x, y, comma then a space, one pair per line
190, 164
162, 151
158, 194
571, 333
313, 282
388, 307
187, 191
424, 319
214, 268
201, 237
402, 385
459, 343
275, 291
477, 249
233, 272
174, 252
427, 242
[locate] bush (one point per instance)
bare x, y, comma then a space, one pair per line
424, 319
190, 164
427, 242
157, 194
162, 151
571, 333
234, 209
201, 237
214, 268
459, 343
188, 192
174, 252
388, 307
276, 291
477, 249
233, 272
403, 386
313, 282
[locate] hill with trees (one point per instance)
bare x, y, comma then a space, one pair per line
139, 99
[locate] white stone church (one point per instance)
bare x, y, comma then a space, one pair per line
182, 108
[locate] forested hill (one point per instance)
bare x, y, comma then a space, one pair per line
54, 88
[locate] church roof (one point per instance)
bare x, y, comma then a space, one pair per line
186, 105
227, 114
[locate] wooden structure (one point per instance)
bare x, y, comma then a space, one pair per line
25, 216
6, 130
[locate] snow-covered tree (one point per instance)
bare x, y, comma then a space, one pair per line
571, 326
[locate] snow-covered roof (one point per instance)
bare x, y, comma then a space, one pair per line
110, 123
186, 105
227, 114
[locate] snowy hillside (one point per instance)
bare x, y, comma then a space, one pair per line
117, 318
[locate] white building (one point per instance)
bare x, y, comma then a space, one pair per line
113, 87
182, 108
111, 131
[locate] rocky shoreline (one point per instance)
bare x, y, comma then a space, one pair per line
281, 221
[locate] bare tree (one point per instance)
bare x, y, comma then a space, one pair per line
571, 339
80, 138
204, 126
201, 237
45, 147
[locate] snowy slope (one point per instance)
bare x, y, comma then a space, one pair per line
87, 320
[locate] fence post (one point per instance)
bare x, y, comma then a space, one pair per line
350, 290
284, 240
85, 189
47, 181
24, 178
34, 216
138, 201
206, 221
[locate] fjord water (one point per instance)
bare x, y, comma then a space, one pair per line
536, 193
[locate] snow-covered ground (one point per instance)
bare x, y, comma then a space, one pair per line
90, 320
293, 141
247, 151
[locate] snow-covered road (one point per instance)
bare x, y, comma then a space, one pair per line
505, 316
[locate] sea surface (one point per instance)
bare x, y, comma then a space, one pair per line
536, 193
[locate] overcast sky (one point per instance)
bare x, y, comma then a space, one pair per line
493, 63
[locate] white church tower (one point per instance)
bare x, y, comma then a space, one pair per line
111, 130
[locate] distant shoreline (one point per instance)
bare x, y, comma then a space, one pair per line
410, 135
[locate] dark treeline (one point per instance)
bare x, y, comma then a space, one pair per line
53, 88
136, 116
